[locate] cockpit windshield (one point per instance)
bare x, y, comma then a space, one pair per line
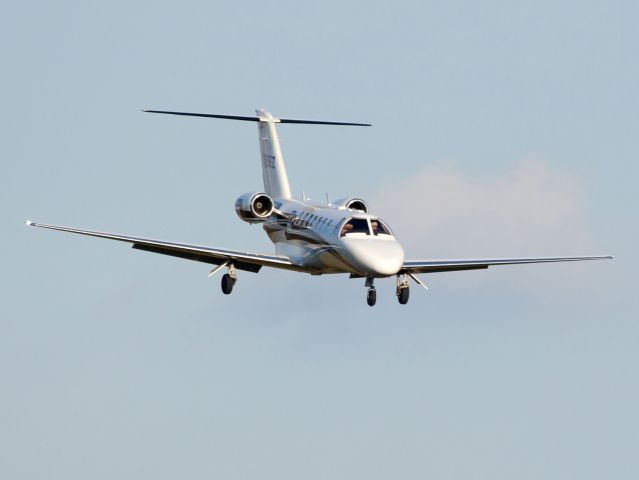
355, 225
379, 228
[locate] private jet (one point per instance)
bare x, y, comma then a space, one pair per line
338, 237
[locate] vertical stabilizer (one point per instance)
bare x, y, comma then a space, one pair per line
273, 170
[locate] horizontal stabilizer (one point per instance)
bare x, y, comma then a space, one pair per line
322, 122
258, 119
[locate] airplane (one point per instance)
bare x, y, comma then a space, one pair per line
340, 237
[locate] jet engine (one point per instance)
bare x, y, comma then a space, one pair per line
254, 207
352, 203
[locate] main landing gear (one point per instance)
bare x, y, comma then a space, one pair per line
227, 283
228, 280
403, 290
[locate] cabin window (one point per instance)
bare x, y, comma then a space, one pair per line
355, 225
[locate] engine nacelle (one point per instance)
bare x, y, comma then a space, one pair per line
254, 207
352, 203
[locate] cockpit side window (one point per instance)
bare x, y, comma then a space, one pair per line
379, 228
355, 225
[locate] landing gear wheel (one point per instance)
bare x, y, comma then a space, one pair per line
402, 295
371, 298
227, 284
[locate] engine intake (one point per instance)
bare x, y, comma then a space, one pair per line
254, 207
353, 203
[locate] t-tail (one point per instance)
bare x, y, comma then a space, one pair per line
273, 170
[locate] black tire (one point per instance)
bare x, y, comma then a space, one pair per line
227, 284
371, 298
403, 295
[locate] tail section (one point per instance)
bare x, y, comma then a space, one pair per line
273, 170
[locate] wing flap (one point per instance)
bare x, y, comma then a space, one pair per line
197, 257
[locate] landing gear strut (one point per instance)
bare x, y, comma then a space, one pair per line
403, 290
228, 280
371, 296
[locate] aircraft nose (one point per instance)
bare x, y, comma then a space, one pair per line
376, 257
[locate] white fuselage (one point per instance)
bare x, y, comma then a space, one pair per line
316, 238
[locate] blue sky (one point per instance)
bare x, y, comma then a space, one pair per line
499, 128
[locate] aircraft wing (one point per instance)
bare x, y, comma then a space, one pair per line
251, 262
428, 266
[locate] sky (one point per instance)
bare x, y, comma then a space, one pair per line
499, 129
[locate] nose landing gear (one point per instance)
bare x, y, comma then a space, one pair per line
371, 296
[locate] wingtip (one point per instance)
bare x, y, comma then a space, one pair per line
29, 222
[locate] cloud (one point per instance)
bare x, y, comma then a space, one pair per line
527, 211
